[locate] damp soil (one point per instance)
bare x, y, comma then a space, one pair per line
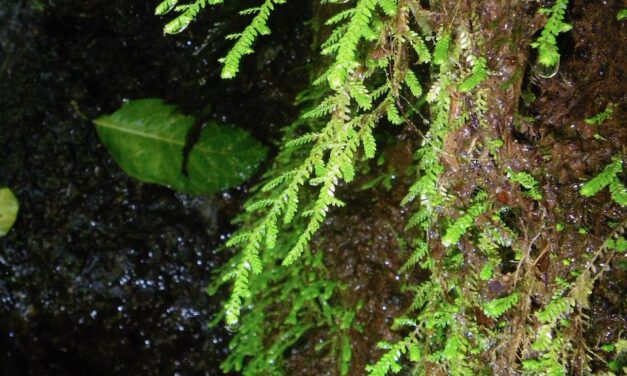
101, 274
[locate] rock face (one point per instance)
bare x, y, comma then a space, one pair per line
542, 124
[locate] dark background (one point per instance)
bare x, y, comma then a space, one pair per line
101, 274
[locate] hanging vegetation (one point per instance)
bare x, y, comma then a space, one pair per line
501, 252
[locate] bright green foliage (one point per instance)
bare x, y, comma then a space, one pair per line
618, 192
287, 302
357, 28
331, 154
609, 176
412, 82
602, 116
460, 243
393, 116
165, 7
245, 39
548, 54
497, 307
390, 362
438, 340
619, 244
146, 138
9, 208
554, 310
261, 340
548, 342
622, 14
187, 13
526, 181
441, 55
459, 227
479, 73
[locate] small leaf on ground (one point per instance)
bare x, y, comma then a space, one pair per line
8, 210
147, 137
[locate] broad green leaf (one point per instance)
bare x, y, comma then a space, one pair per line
147, 137
225, 156
8, 210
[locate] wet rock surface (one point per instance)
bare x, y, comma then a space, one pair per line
365, 245
101, 274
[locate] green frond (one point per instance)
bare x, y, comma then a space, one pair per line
556, 309
244, 43
413, 84
478, 75
602, 116
389, 6
497, 307
358, 29
302, 140
603, 179
419, 253
331, 45
440, 54
526, 181
463, 223
249, 11
165, 6
360, 93
418, 44
618, 192
548, 54
341, 16
390, 361
369, 143
259, 204
486, 272
187, 13
392, 114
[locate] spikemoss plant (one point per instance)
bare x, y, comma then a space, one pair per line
478, 309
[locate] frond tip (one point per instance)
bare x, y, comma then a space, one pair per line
245, 40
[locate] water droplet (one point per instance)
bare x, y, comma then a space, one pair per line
547, 71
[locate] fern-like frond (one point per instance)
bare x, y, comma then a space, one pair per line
413, 84
548, 54
358, 29
526, 181
245, 40
390, 361
497, 307
603, 179
602, 116
187, 13
461, 224
478, 75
